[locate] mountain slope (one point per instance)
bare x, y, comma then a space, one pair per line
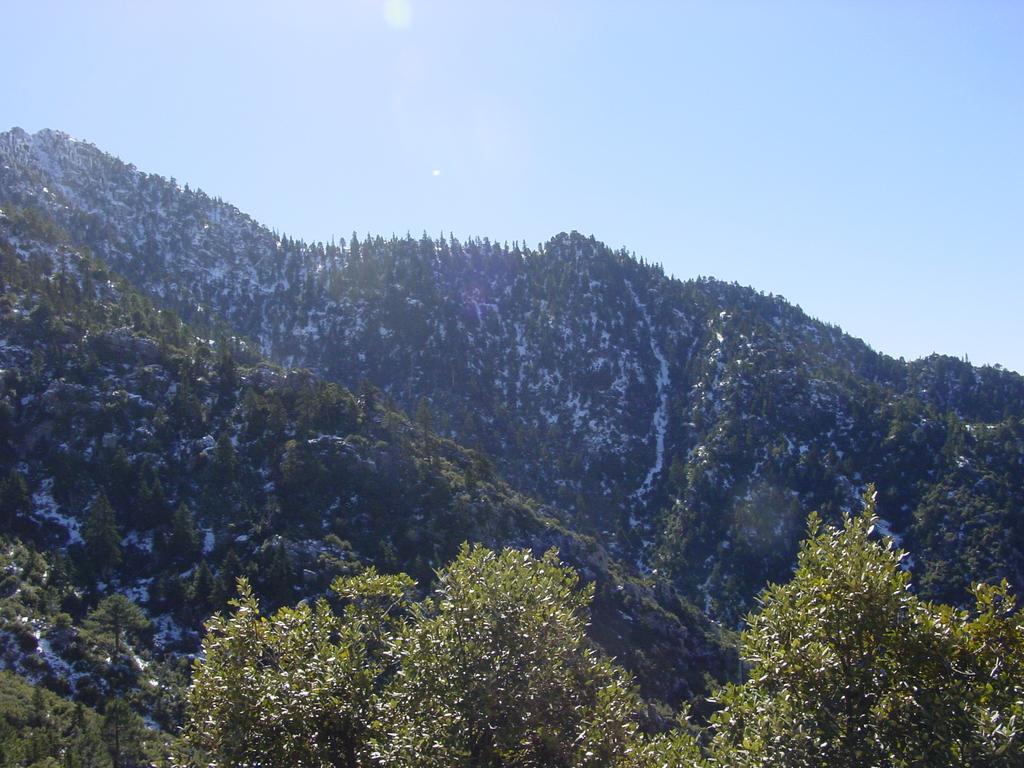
211, 464
689, 425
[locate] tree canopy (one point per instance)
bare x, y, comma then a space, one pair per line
493, 669
845, 667
848, 667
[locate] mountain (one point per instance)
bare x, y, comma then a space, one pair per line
142, 459
689, 425
187, 396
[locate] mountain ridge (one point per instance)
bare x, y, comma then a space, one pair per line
212, 463
550, 361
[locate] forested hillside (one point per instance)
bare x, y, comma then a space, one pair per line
144, 464
188, 398
690, 426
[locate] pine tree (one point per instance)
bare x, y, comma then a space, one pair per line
279, 575
201, 589
86, 748
123, 733
227, 370
150, 505
101, 536
425, 423
117, 620
227, 578
224, 467
14, 498
122, 479
185, 543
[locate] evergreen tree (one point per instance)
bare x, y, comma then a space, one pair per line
185, 543
123, 733
227, 578
122, 479
424, 421
102, 536
117, 620
86, 749
278, 576
227, 370
224, 466
14, 499
150, 505
201, 589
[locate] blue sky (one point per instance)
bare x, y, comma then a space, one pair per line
864, 159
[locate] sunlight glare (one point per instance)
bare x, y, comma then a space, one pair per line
398, 13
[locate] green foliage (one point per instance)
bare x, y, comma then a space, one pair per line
991, 653
848, 668
675, 749
300, 688
124, 734
102, 536
185, 543
493, 670
772, 414
117, 621
496, 670
38, 728
14, 498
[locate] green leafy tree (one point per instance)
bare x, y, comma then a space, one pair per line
848, 668
992, 654
493, 670
300, 688
497, 671
676, 749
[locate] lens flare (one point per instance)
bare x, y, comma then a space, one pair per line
398, 13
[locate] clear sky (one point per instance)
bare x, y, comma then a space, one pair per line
865, 159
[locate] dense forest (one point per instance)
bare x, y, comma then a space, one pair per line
423, 501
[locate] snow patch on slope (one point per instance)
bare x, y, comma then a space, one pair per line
885, 528
45, 507
659, 422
